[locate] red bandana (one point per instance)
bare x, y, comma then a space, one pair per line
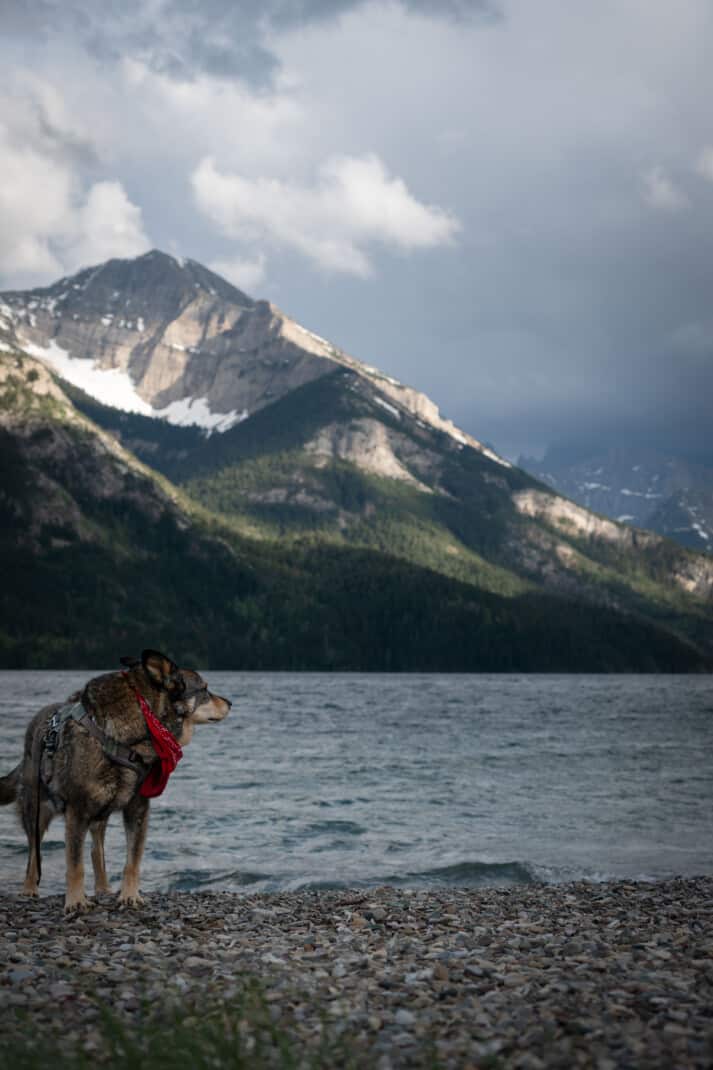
168, 752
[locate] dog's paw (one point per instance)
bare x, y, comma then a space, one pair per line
129, 900
77, 905
31, 891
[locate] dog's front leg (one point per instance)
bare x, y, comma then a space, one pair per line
136, 823
75, 834
101, 884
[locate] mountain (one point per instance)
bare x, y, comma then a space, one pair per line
667, 494
318, 515
168, 338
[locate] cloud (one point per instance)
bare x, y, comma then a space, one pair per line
34, 203
221, 38
461, 10
704, 164
692, 339
257, 129
354, 204
245, 273
51, 220
660, 191
106, 224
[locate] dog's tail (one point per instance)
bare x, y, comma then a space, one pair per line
9, 786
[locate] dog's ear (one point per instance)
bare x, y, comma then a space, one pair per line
162, 671
130, 662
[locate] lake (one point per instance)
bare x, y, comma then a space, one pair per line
319, 780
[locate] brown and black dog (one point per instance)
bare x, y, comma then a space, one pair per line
82, 768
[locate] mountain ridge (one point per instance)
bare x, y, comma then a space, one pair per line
181, 349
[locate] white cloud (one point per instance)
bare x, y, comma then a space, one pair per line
247, 274
353, 204
107, 224
704, 164
34, 202
253, 129
50, 221
661, 192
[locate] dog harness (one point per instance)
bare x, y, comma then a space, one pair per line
120, 753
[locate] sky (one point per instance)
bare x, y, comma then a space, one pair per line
506, 204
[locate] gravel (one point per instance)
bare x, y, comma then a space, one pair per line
607, 975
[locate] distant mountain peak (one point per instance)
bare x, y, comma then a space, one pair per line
164, 336
641, 486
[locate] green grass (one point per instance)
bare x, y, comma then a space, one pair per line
249, 1033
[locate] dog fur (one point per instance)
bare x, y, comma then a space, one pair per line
79, 779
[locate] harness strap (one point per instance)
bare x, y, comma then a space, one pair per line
120, 753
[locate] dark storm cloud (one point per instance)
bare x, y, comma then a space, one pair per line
63, 143
181, 39
291, 12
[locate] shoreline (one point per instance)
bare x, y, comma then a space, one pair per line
578, 974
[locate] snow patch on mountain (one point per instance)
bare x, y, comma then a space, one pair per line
111, 386
114, 387
196, 412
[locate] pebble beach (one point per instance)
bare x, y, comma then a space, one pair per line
607, 975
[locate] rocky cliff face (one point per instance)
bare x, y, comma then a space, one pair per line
693, 573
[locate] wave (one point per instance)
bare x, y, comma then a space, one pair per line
459, 875
472, 874
190, 880
465, 874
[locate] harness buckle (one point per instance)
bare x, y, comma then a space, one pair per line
52, 734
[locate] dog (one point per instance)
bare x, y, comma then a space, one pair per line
111, 747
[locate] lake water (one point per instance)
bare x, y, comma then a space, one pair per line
319, 780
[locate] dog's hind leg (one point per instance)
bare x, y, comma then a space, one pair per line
75, 834
35, 831
136, 823
98, 829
